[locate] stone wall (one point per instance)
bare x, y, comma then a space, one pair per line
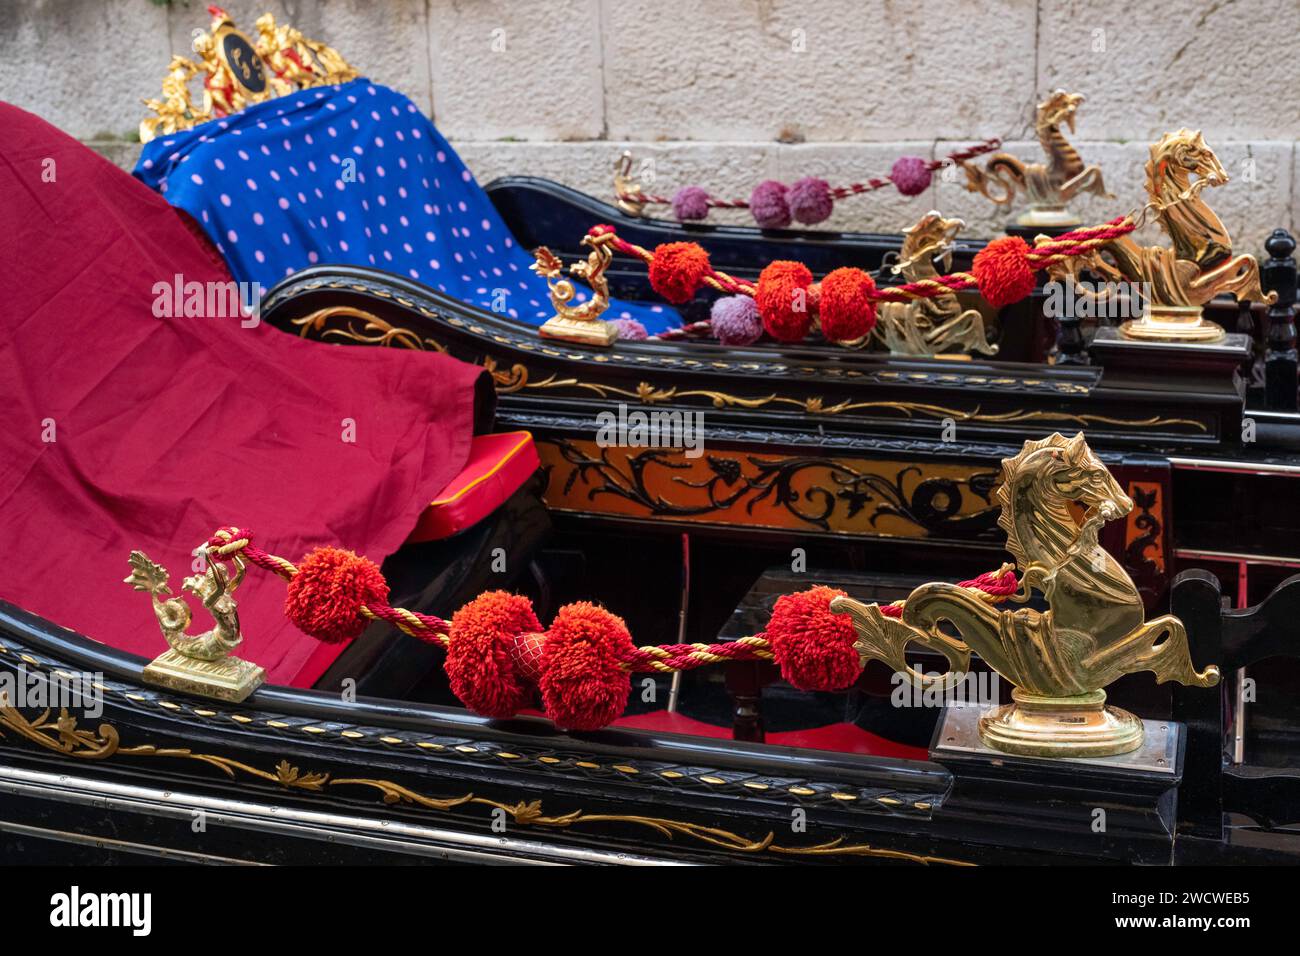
723, 93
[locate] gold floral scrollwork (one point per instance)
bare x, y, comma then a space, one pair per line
62, 736
371, 330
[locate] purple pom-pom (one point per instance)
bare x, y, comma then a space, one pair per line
911, 174
768, 206
735, 320
630, 330
810, 201
691, 202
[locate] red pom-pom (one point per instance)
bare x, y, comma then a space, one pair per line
782, 297
482, 662
812, 645
677, 271
583, 683
1003, 271
325, 596
845, 305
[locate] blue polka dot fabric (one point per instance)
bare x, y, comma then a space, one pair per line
353, 175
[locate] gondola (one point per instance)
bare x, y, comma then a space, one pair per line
718, 705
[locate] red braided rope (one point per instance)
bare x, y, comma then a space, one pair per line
231, 542
838, 192
1046, 251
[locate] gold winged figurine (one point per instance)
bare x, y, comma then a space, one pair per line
930, 326
1048, 187
1059, 660
578, 323
197, 663
1176, 282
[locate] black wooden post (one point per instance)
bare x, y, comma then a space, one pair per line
1279, 275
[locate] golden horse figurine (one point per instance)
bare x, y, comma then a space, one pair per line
930, 326
578, 323
1048, 187
197, 663
1093, 632
1177, 281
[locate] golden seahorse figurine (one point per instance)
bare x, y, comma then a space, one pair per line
578, 323
1048, 187
198, 663
1177, 281
1059, 660
930, 326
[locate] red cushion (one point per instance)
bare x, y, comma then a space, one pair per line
498, 466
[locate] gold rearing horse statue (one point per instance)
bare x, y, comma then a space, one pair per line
1048, 187
1093, 632
1177, 281
929, 326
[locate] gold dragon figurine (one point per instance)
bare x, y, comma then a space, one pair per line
578, 323
197, 663
1059, 660
1048, 187
1176, 282
929, 326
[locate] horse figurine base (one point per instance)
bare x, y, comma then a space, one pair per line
1079, 726
1048, 216
1172, 323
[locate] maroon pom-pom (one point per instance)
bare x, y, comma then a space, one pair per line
768, 206
782, 299
325, 596
630, 330
691, 202
810, 201
845, 305
734, 320
910, 175
483, 664
1003, 271
677, 270
583, 683
812, 645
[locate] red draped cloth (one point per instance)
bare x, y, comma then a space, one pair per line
122, 430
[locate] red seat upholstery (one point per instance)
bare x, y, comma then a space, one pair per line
498, 466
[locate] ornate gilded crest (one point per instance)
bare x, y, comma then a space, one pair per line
929, 326
1047, 187
1059, 660
237, 72
198, 663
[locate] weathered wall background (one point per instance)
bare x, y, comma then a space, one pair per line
723, 93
